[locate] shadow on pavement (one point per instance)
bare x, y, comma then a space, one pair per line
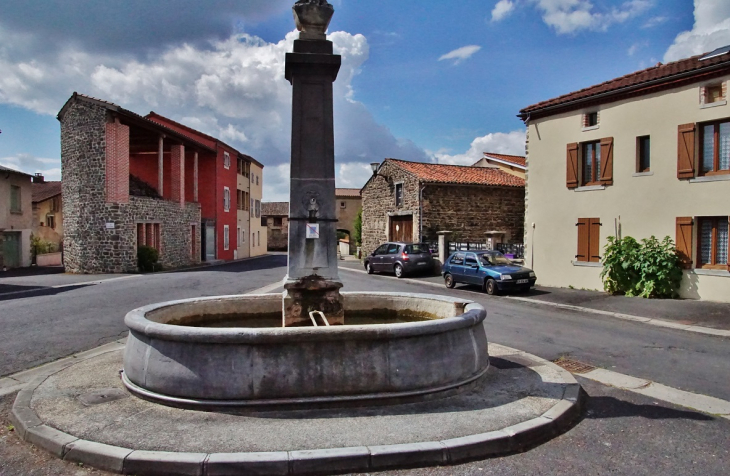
31, 271
611, 407
269, 262
35, 291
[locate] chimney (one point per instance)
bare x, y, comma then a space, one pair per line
38, 178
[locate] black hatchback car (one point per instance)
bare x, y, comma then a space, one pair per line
400, 258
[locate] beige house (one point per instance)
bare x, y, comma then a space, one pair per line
512, 164
251, 236
258, 229
640, 155
47, 211
16, 218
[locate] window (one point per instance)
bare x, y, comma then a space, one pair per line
343, 204
399, 195
392, 249
471, 260
239, 236
257, 180
226, 199
258, 208
226, 160
713, 94
715, 148
226, 237
258, 234
252, 207
55, 204
589, 239
712, 242
253, 239
264, 221
15, 203
51, 221
382, 250
590, 119
252, 177
148, 234
458, 258
278, 221
591, 162
643, 156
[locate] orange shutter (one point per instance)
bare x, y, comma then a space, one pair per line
684, 241
686, 151
583, 240
594, 240
607, 161
572, 178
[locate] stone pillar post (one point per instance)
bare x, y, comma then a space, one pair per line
161, 166
177, 185
443, 250
195, 177
312, 282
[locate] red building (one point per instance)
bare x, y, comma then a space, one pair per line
229, 186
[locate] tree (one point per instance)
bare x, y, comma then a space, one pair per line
357, 235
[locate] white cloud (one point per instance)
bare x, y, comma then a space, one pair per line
276, 183
711, 30
49, 168
655, 21
233, 89
512, 143
633, 49
502, 9
461, 54
571, 16
353, 174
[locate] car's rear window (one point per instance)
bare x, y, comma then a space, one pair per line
416, 249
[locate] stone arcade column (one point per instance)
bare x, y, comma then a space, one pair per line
312, 282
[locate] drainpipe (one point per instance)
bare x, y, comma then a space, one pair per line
420, 214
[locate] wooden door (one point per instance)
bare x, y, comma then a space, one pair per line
401, 228
11, 250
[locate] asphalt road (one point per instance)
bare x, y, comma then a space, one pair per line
621, 432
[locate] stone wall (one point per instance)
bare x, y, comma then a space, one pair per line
469, 211
91, 244
278, 236
378, 201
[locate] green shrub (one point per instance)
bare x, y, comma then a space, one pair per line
357, 232
39, 246
147, 258
650, 269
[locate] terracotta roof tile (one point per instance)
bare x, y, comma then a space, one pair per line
512, 159
8, 169
273, 209
458, 174
44, 191
347, 192
659, 72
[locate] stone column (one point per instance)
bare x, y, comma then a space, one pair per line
161, 166
312, 282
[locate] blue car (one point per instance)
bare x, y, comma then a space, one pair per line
489, 269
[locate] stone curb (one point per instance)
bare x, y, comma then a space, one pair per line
625, 317
515, 438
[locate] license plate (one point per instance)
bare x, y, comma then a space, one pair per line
523, 281
421, 264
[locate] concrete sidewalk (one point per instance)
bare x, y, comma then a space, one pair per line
680, 311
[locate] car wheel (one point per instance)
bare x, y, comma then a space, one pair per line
398, 271
368, 267
449, 281
490, 287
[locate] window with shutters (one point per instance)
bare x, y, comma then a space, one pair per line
715, 148
226, 199
226, 160
590, 163
712, 242
589, 240
15, 203
226, 237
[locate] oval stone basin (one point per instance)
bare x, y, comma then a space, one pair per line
400, 345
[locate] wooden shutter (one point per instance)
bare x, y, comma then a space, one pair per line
583, 239
607, 161
594, 239
572, 160
686, 151
684, 241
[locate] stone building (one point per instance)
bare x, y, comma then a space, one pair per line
107, 215
16, 218
48, 211
413, 201
349, 203
512, 164
275, 216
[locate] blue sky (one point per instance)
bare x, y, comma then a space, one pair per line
420, 80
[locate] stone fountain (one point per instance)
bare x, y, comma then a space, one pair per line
328, 381
315, 344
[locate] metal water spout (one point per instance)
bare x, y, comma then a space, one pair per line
314, 320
